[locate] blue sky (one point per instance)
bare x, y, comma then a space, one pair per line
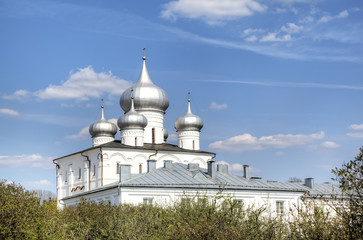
278, 83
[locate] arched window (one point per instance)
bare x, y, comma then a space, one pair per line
193, 145
135, 141
140, 168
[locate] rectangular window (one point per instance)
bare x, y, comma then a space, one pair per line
94, 170
148, 201
66, 176
279, 207
153, 135
79, 173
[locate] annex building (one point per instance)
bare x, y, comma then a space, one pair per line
142, 167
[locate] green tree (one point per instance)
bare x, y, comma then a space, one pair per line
19, 212
350, 177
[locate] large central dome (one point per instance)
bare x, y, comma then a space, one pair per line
147, 96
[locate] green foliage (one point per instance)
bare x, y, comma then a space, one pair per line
196, 217
350, 177
316, 220
16, 224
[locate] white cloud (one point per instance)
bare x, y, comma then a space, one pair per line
238, 168
279, 153
358, 127
114, 121
251, 30
291, 28
80, 85
18, 95
327, 18
84, 132
297, 1
282, 35
216, 106
247, 142
329, 145
252, 38
271, 37
307, 19
300, 53
36, 184
291, 84
211, 11
355, 134
355, 9
9, 112
81, 135
26, 161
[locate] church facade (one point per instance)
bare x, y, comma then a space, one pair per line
141, 167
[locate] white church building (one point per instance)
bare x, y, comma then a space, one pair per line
142, 167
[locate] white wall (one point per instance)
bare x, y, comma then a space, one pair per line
166, 196
103, 170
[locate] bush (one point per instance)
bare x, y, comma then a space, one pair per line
200, 217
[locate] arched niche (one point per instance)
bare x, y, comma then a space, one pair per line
200, 161
118, 157
169, 157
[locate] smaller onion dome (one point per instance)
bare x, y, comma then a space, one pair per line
189, 121
166, 134
102, 127
132, 119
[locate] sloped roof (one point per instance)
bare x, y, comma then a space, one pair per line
179, 176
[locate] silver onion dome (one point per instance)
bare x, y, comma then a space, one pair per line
147, 96
102, 127
132, 119
189, 121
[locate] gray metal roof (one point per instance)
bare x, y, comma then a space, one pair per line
179, 176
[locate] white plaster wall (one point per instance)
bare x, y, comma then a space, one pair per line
186, 139
167, 196
128, 137
103, 171
155, 119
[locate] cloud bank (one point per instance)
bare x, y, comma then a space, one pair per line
216, 106
247, 142
211, 11
8, 112
26, 161
358, 128
81, 85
